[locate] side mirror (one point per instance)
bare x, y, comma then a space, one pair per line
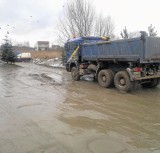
66, 46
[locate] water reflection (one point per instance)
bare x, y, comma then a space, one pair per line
133, 115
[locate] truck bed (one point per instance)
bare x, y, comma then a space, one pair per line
136, 49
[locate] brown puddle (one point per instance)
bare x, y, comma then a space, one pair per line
75, 116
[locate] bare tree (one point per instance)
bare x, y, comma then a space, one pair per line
124, 33
78, 19
152, 31
104, 26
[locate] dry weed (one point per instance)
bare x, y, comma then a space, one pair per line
45, 54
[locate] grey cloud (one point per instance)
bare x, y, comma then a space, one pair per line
18, 13
30, 18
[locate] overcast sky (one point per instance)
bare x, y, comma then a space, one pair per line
35, 20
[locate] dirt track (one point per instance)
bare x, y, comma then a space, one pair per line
43, 111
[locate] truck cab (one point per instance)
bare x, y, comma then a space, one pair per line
73, 49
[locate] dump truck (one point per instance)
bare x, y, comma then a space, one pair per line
122, 63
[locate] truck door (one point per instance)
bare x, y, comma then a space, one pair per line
71, 46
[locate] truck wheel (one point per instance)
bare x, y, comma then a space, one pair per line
152, 84
122, 81
75, 74
105, 78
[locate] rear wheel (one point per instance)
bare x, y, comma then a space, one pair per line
75, 74
105, 78
153, 83
122, 81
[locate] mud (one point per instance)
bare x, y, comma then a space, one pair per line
43, 111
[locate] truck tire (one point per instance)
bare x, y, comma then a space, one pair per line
75, 74
152, 84
105, 78
122, 81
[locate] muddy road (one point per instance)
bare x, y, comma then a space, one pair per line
43, 111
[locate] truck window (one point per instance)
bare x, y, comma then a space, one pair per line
73, 45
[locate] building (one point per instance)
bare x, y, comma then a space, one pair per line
55, 47
43, 45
